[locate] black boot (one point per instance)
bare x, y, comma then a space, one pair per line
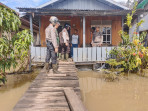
55, 69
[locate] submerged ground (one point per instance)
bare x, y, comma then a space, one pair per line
123, 95
97, 94
14, 89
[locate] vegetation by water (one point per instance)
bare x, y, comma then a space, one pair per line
14, 44
131, 55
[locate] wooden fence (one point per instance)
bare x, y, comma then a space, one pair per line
89, 54
38, 54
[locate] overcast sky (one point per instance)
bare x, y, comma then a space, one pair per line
29, 3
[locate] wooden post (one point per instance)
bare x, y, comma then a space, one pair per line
39, 30
31, 29
83, 31
122, 23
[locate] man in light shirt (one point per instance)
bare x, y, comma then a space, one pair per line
74, 41
52, 45
65, 45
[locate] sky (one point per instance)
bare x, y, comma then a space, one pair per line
28, 3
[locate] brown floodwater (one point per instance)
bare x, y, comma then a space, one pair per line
14, 89
124, 95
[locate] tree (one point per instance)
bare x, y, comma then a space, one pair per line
133, 54
14, 45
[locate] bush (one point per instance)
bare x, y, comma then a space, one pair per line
133, 54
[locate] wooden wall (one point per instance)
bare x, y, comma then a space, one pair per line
116, 27
77, 23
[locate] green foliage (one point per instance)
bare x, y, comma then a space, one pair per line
14, 45
114, 70
9, 21
133, 55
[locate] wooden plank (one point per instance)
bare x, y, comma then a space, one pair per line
32, 52
99, 54
75, 54
46, 92
74, 101
80, 50
69, 84
49, 89
89, 54
94, 53
38, 54
58, 78
42, 109
103, 53
85, 54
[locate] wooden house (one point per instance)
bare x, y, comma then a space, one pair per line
81, 15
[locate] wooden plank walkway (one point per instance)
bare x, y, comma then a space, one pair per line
52, 92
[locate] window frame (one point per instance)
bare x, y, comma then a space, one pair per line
102, 26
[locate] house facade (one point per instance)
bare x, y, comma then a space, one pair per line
142, 5
83, 15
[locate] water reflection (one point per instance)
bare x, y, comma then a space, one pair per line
125, 95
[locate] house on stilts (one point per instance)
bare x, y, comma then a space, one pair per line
81, 15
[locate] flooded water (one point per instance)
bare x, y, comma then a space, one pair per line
123, 95
14, 89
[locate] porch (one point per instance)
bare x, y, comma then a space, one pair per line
83, 20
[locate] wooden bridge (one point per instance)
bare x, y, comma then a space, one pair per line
53, 92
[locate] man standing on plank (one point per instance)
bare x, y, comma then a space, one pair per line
52, 45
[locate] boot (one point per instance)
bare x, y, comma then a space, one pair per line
62, 57
67, 57
46, 67
55, 69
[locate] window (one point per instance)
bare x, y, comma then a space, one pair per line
105, 28
106, 34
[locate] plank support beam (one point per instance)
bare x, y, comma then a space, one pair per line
74, 101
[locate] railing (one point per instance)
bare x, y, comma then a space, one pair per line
91, 54
38, 54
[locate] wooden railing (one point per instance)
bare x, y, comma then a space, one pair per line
38, 54
89, 54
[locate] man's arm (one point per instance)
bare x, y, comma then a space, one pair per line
54, 38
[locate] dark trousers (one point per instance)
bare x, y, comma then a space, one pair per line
73, 46
64, 49
51, 53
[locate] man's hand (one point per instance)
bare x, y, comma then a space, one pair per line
100, 45
66, 44
56, 50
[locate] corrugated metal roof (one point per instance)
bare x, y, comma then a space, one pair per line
108, 1
117, 4
48, 3
44, 11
